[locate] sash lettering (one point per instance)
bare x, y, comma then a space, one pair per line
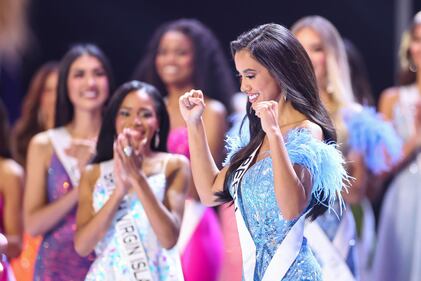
287, 251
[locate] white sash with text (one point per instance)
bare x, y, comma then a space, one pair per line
287, 251
132, 249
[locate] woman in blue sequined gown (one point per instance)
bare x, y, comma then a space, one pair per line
56, 158
287, 171
138, 176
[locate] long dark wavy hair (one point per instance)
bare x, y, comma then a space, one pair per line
29, 123
274, 47
64, 107
4, 132
211, 71
108, 133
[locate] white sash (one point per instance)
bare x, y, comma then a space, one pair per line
127, 234
333, 254
132, 249
61, 140
287, 251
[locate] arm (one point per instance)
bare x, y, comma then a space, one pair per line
387, 102
165, 217
39, 215
12, 189
358, 170
90, 226
214, 119
206, 175
292, 183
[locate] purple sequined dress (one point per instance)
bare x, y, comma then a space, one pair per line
57, 260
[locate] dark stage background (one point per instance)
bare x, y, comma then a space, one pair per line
122, 28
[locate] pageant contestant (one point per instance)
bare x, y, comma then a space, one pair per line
286, 172
132, 197
183, 55
398, 252
363, 137
11, 193
57, 157
37, 115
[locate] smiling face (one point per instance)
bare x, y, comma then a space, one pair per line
137, 112
87, 83
256, 81
174, 61
313, 45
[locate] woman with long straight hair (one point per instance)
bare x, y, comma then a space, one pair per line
289, 170
37, 116
56, 158
368, 143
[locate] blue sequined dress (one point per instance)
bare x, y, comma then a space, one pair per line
258, 205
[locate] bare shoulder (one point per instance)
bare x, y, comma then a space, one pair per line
12, 167
315, 129
215, 108
175, 162
387, 101
92, 172
390, 93
40, 150
40, 141
11, 174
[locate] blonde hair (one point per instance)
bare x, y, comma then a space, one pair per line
338, 74
405, 75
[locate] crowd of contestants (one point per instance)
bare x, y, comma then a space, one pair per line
177, 173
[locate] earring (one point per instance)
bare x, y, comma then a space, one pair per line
156, 139
329, 88
412, 67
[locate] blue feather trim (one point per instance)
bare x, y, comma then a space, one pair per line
237, 137
373, 137
324, 162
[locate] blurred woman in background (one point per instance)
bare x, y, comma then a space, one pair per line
37, 116
398, 254
56, 158
184, 55
11, 193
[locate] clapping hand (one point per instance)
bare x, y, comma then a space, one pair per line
128, 157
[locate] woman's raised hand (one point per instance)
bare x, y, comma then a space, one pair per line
192, 105
267, 111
